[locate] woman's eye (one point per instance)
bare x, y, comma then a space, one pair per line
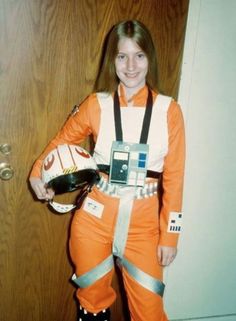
121, 57
141, 55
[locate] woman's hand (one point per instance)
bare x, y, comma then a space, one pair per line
40, 190
166, 254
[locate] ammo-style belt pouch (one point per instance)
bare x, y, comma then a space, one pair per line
138, 192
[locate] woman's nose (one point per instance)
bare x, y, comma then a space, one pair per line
131, 63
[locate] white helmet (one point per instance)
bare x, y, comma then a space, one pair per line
67, 168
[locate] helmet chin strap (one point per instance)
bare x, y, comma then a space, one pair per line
65, 208
62, 208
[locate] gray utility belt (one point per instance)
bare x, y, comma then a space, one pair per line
116, 190
127, 196
106, 170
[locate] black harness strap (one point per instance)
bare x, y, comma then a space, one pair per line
117, 116
144, 132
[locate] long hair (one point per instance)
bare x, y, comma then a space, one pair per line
107, 80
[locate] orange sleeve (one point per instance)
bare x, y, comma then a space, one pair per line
173, 174
78, 126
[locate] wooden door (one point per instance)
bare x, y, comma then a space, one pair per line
49, 58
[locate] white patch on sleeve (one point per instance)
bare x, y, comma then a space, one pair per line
93, 207
175, 222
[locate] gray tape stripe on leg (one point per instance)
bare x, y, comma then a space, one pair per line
94, 274
122, 224
144, 279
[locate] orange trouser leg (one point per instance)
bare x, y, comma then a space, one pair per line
91, 242
141, 250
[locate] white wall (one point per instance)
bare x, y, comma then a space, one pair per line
202, 280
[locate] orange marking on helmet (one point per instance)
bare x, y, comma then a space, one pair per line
83, 154
49, 163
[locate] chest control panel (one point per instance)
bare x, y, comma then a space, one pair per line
128, 165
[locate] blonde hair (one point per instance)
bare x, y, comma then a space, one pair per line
107, 80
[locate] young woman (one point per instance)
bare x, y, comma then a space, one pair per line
139, 139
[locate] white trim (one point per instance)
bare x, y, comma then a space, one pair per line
191, 38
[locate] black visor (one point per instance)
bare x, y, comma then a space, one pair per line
70, 182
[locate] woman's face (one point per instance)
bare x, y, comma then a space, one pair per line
131, 65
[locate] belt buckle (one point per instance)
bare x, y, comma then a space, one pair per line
128, 191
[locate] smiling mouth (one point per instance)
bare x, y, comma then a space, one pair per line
128, 75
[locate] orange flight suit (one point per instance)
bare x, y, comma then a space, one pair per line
92, 236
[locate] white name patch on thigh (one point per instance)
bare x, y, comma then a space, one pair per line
93, 207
